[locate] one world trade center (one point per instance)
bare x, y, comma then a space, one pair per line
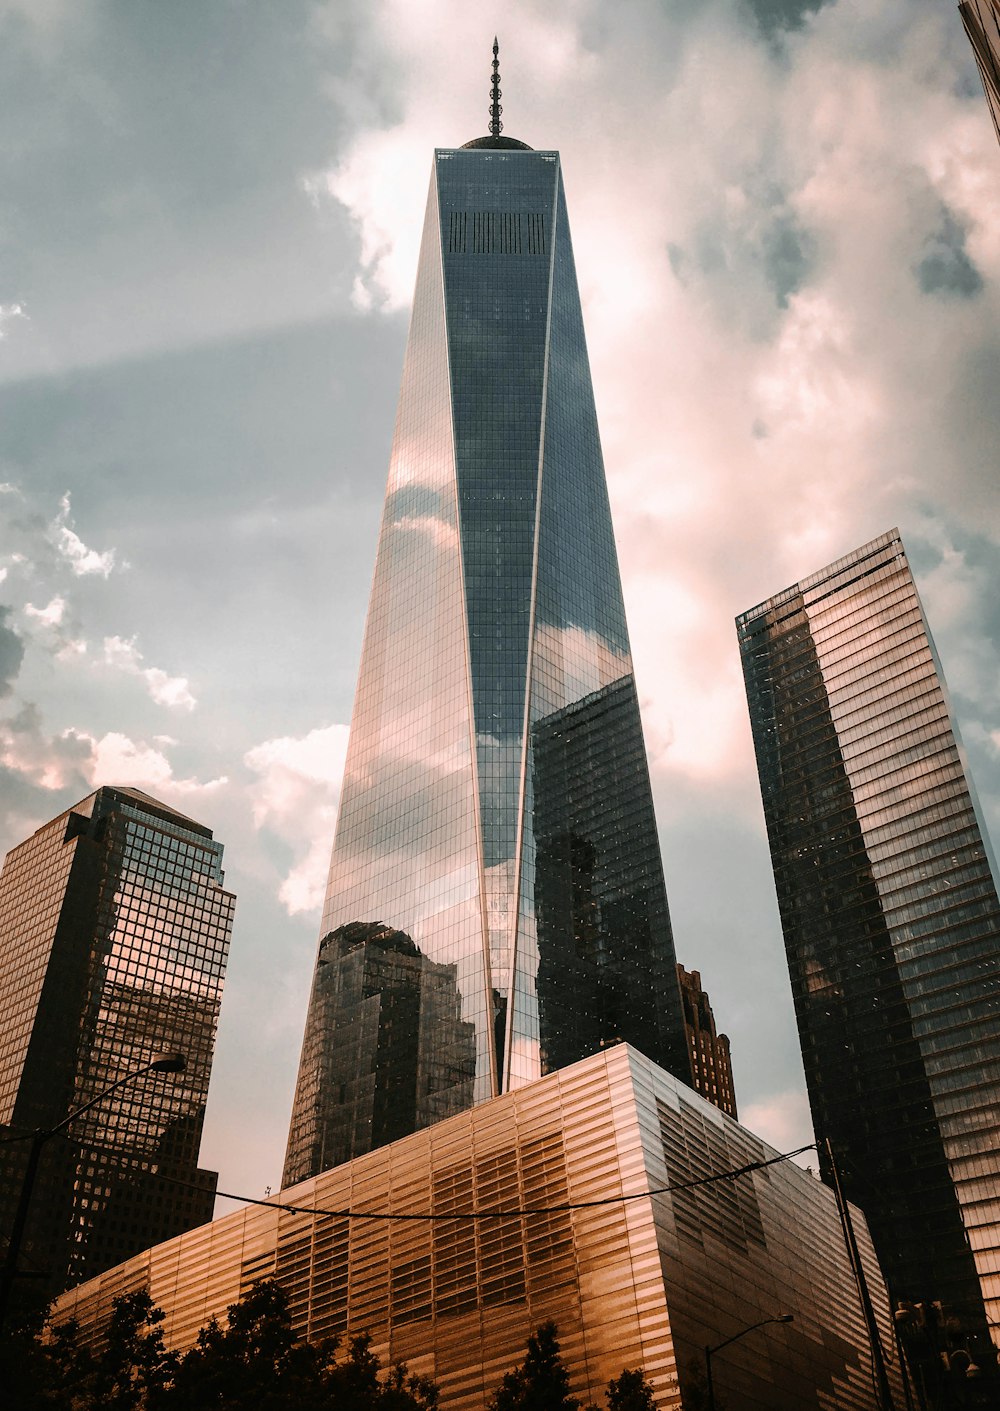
496, 906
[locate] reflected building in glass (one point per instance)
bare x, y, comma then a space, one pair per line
982, 24
114, 935
711, 1063
888, 900
496, 808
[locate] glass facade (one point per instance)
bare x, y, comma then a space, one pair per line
644, 1283
982, 24
496, 809
114, 935
888, 902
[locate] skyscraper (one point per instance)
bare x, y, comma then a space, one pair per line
982, 24
711, 1065
888, 900
496, 808
114, 935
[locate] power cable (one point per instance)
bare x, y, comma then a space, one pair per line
517, 1213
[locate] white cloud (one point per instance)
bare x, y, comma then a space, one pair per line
123, 654
295, 797
73, 550
49, 616
8, 313
77, 756
117, 759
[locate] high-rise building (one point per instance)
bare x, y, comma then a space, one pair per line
982, 24
496, 808
888, 900
114, 935
711, 1065
633, 1277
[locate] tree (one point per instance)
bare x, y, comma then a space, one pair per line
630, 1392
257, 1363
541, 1382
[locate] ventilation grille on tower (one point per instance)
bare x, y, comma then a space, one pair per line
496, 233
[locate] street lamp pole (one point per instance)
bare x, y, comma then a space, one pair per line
163, 1063
711, 1351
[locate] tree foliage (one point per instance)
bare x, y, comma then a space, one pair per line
541, 1382
630, 1392
255, 1361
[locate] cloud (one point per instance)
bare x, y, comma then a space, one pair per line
776, 15
47, 762
123, 654
295, 797
782, 1119
116, 759
73, 550
8, 313
49, 616
11, 653
945, 267
77, 758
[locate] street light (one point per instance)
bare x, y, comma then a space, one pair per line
162, 1063
711, 1351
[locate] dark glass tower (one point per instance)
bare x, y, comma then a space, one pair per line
114, 935
888, 902
496, 810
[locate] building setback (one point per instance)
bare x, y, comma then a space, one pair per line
888, 903
114, 935
640, 1283
496, 810
711, 1068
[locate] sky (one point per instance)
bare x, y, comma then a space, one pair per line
786, 220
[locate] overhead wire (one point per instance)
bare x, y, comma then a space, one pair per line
515, 1213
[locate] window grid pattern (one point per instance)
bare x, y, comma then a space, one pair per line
495, 668
133, 953
891, 919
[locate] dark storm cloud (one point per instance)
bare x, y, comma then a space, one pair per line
945, 267
787, 253
775, 15
765, 244
11, 654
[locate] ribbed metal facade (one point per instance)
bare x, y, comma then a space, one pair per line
644, 1283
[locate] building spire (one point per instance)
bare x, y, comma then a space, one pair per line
496, 126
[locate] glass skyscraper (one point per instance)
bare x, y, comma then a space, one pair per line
114, 936
888, 900
982, 24
496, 831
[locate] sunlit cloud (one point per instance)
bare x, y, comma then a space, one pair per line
73, 550
174, 691
48, 616
117, 759
295, 797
